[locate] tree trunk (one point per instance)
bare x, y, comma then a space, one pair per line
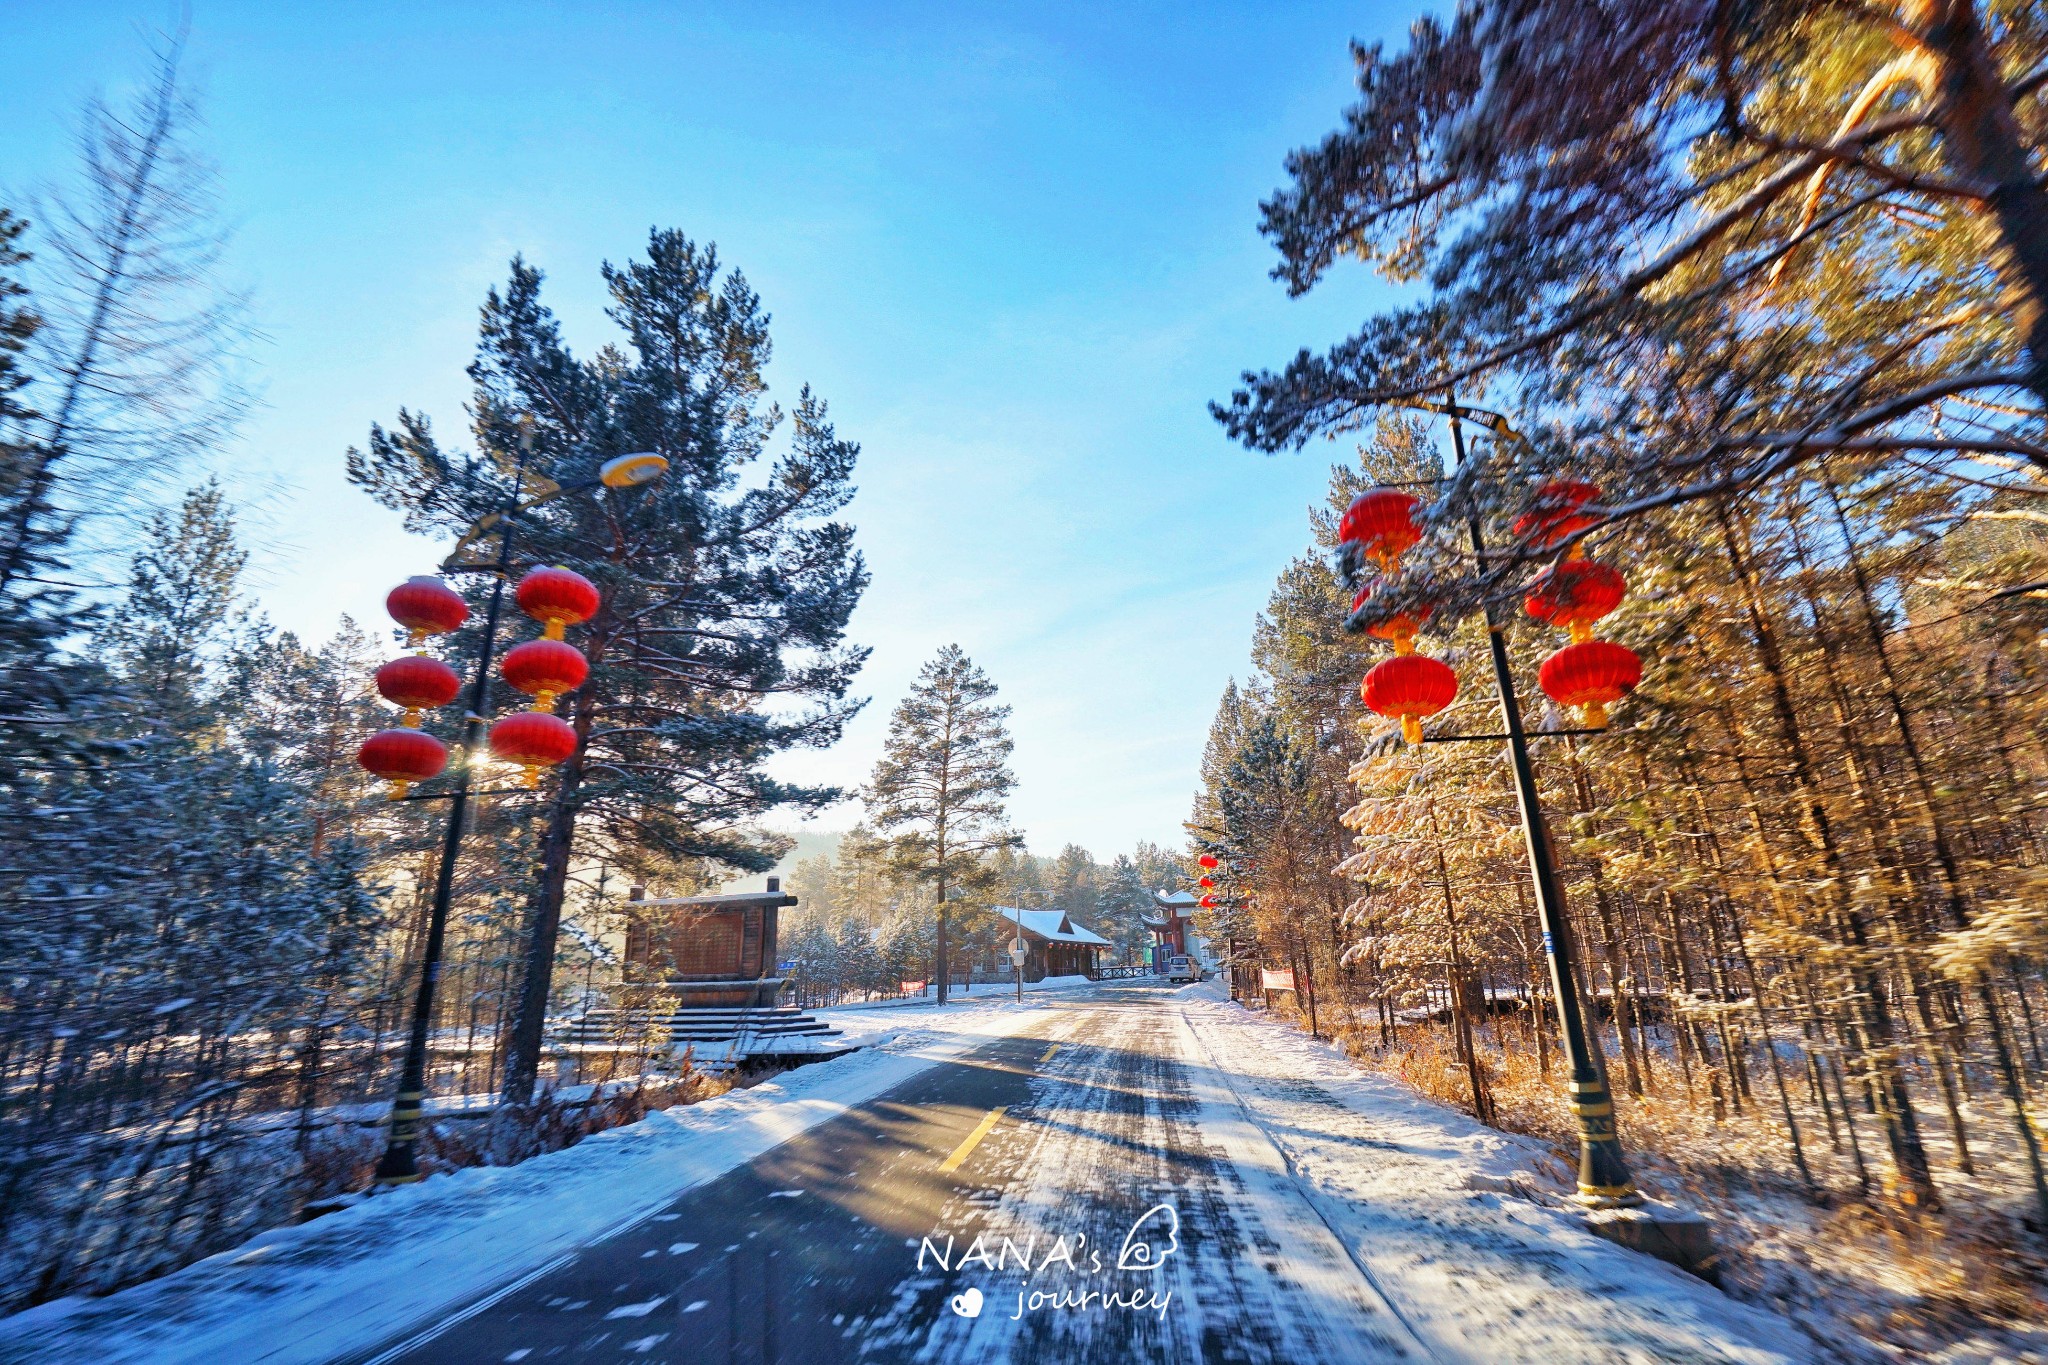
529, 1020
1901, 1123
1959, 913
1982, 141
941, 967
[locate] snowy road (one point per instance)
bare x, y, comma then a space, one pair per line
1136, 1176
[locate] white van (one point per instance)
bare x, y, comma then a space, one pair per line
1181, 967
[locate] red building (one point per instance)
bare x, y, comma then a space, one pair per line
1173, 929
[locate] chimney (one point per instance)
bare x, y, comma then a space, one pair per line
774, 886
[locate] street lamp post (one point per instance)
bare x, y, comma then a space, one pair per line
1603, 1174
400, 1162
1379, 527
1017, 955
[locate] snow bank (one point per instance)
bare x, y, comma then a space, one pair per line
1457, 1222
982, 992
346, 1282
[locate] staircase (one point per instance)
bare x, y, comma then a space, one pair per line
721, 1037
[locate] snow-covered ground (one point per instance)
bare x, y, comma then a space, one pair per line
982, 993
1323, 1215
338, 1284
1435, 1207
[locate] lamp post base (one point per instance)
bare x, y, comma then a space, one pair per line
1610, 1197
400, 1164
1604, 1181
1674, 1235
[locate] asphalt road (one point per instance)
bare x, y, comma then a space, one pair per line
1094, 1191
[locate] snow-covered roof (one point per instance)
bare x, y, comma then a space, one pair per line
1175, 903
1054, 926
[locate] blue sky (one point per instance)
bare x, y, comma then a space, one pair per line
1014, 247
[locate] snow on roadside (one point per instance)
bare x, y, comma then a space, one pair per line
985, 993
1429, 1201
348, 1281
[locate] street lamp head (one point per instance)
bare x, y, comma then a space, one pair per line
630, 471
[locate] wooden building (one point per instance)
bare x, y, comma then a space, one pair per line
1053, 944
702, 969
707, 950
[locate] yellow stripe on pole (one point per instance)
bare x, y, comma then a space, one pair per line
981, 1130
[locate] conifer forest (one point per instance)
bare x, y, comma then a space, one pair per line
1764, 285
1604, 918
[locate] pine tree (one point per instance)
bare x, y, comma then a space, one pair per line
49, 697
1157, 867
1703, 250
938, 790
720, 641
810, 881
135, 347
862, 885
1121, 906
182, 589
1020, 878
861, 964
1076, 876
190, 934
18, 321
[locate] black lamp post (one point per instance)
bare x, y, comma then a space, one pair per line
1604, 1179
400, 1162
1603, 1175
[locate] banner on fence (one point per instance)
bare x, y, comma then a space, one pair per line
913, 987
1276, 981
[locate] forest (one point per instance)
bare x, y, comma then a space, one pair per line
1735, 311
216, 919
1766, 279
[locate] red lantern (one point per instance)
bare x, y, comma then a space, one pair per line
417, 683
534, 739
1207, 860
1207, 883
1554, 513
1575, 594
426, 606
1412, 687
545, 669
558, 597
1399, 631
1382, 523
1207, 902
1593, 674
403, 757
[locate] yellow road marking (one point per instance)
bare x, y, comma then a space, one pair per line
981, 1130
1048, 1054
